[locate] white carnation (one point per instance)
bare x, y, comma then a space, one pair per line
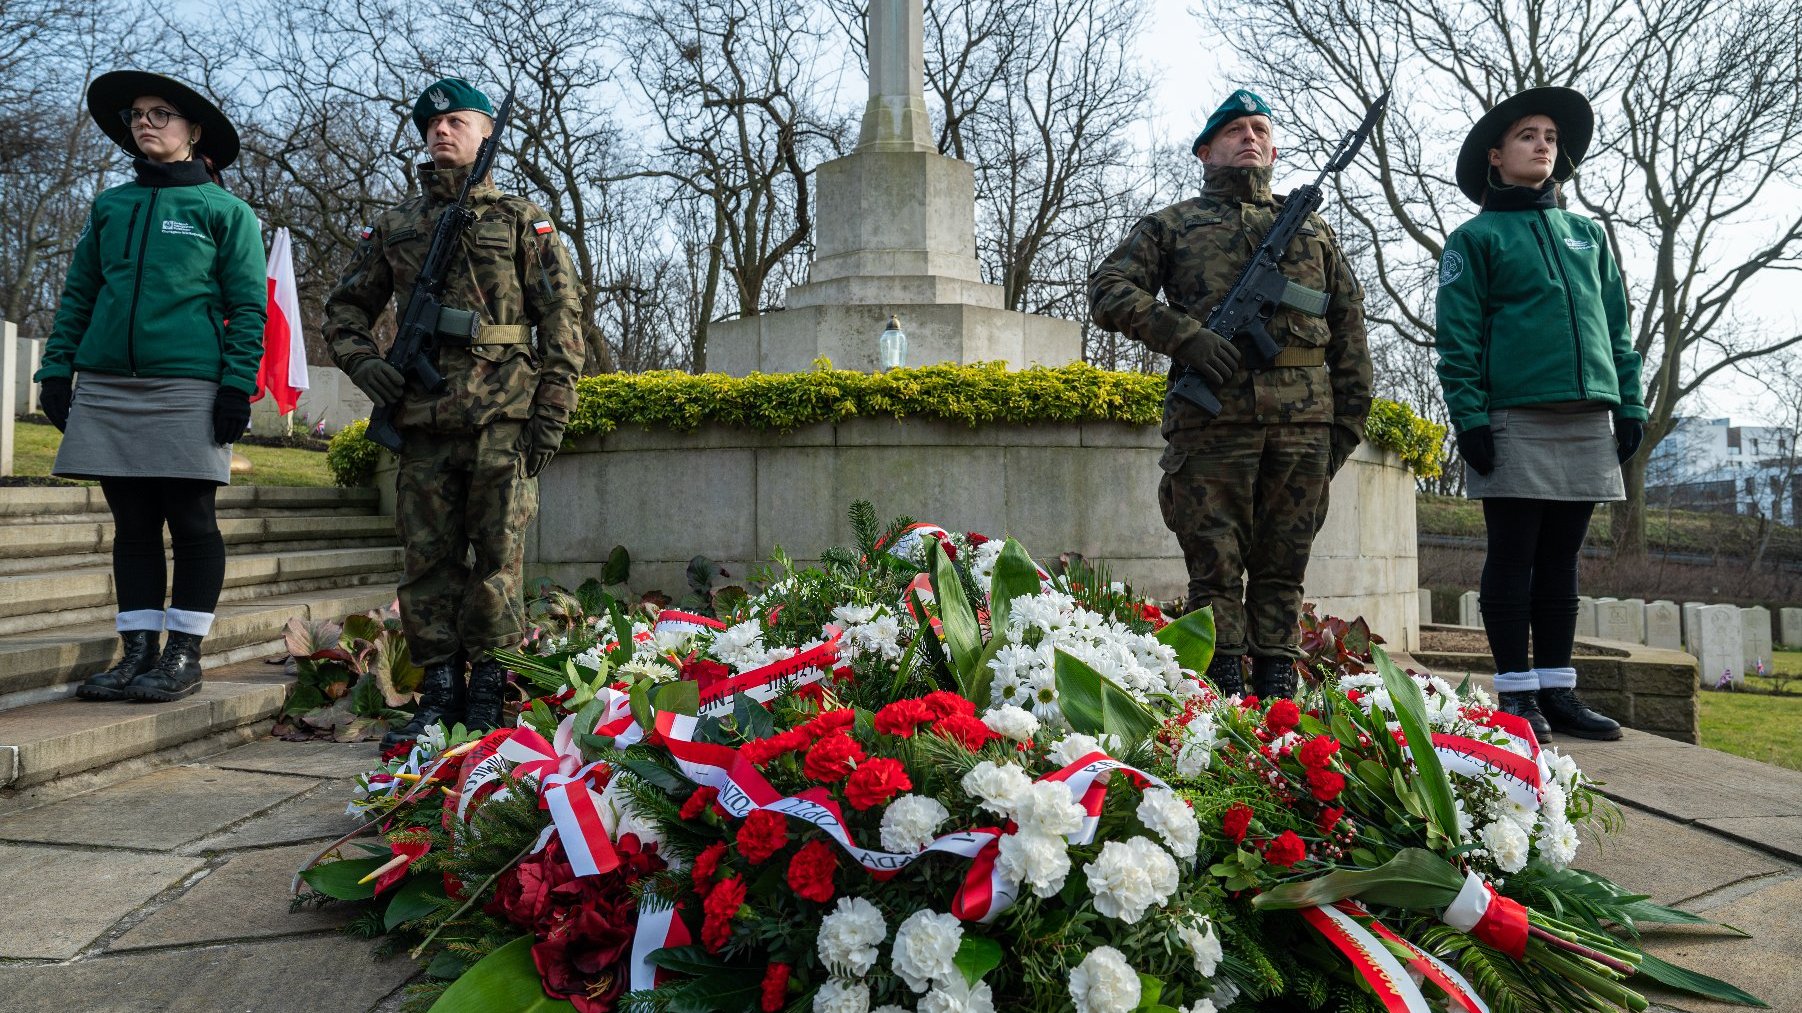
1104, 983
1507, 844
998, 785
1129, 878
589, 659
849, 936
1167, 815
1201, 1006
925, 950
837, 996
1196, 753
1558, 843
1199, 937
911, 822
956, 996
1011, 723
1046, 807
1040, 861
1071, 748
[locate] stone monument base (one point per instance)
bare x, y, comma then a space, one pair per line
788, 341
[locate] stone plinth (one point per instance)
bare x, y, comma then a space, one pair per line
789, 340
1720, 643
1789, 627
1649, 689
1757, 642
1664, 626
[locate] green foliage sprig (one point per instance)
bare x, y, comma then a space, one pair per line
351, 455
1395, 426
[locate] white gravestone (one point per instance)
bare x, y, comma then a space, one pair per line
31, 356
1426, 606
1692, 624
1586, 616
1664, 625
1720, 643
1637, 614
1619, 621
1469, 612
1757, 643
1789, 626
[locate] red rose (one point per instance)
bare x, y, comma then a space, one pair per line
718, 910
1329, 818
1318, 751
964, 729
810, 871
876, 782
975, 538
832, 758
698, 802
1286, 850
762, 834
1235, 821
522, 895
1325, 784
775, 988
707, 865
950, 550
1283, 717
902, 717
1354, 695
941, 704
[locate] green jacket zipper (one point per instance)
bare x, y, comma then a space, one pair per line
131, 229
1570, 305
131, 325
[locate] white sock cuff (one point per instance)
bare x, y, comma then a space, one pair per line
1516, 682
139, 619
1556, 678
197, 623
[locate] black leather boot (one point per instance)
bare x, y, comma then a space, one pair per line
1227, 674
1273, 678
140, 657
487, 695
1525, 704
441, 697
1567, 713
177, 672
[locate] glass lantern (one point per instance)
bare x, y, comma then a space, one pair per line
891, 348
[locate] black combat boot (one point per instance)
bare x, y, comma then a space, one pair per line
1273, 678
1227, 674
177, 672
440, 702
1567, 713
1525, 704
140, 657
487, 695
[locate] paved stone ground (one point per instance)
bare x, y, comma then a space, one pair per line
168, 890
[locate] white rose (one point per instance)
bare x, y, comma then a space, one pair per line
1040, 861
1167, 815
1011, 723
911, 822
998, 785
1128, 878
955, 996
1046, 807
1199, 937
837, 996
1104, 983
1507, 844
925, 950
849, 935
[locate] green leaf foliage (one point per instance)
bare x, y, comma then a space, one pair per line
1411, 710
504, 981
1192, 637
1696, 983
338, 880
977, 956
416, 898
1095, 705
962, 634
1414, 878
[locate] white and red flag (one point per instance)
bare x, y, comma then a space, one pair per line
283, 371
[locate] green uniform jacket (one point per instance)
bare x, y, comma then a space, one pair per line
1192, 253
1532, 310
165, 281
514, 272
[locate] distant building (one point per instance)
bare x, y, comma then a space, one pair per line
1711, 464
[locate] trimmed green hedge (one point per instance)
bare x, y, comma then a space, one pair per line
978, 394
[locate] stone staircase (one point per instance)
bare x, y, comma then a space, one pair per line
315, 553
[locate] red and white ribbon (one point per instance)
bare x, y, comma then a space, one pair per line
907, 547
1488, 917
674, 621
1369, 958
1437, 971
1516, 775
767, 682
1087, 779
655, 930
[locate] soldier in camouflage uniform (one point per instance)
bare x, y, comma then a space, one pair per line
467, 486
1246, 492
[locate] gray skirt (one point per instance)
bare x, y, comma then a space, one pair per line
1559, 451
142, 427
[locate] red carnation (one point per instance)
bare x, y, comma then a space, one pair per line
1286, 850
1153, 615
1283, 717
975, 537
762, 834
810, 871
832, 758
761, 751
705, 673
775, 988
876, 782
1329, 818
814, 693
902, 717
1318, 751
828, 722
1325, 784
941, 704
718, 911
1235, 821
964, 729
707, 865
698, 802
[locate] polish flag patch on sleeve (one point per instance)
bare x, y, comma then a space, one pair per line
365, 231
542, 228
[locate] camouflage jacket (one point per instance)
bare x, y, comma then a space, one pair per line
1192, 253
515, 273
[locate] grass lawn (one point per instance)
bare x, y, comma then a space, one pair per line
34, 449
1758, 726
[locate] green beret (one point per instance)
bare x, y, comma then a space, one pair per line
448, 95
1239, 103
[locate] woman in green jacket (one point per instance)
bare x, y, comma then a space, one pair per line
162, 320
1536, 356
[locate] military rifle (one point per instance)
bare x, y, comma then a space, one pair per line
426, 318
1261, 287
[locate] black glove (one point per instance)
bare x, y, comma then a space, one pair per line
1477, 446
1627, 436
54, 395
231, 415
539, 443
1209, 354
1345, 440
383, 383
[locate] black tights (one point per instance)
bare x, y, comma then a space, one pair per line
141, 506
1530, 579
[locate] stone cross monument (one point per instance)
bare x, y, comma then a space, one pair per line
895, 233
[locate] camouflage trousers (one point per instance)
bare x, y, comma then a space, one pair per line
1245, 502
462, 505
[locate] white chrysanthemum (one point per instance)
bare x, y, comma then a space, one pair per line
668, 641
589, 659
1040, 861
1199, 937
1104, 983
1466, 822
882, 636
1196, 753
1130, 877
1071, 748
1504, 808
1011, 723
1046, 807
1507, 843
1041, 697
854, 615
956, 996
1562, 767
1558, 843
648, 670
848, 937
925, 950
1201, 1006
998, 785
1167, 815
734, 643
911, 822
838, 996
1552, 803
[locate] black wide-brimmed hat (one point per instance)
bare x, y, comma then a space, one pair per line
1567, 108
117, 90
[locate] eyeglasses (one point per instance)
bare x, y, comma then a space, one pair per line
157, 117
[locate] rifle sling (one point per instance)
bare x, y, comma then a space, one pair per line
497, 334
1299, 357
